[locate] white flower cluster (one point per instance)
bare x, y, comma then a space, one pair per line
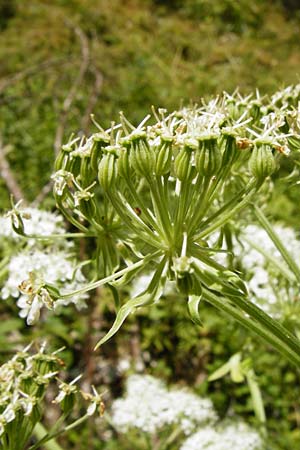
149, 406
235, 436
54, 267
36, 222
266, 285
48, 261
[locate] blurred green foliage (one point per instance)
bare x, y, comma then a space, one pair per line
139, 53
144, 52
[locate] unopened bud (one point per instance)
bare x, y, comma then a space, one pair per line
208, 158
262, 163
107, 171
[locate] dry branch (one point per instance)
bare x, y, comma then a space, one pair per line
7, 174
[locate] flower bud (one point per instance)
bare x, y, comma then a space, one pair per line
123, 163
107, 171
142, 157
100, 141
208, 157
182, 164
164, 157
262, 163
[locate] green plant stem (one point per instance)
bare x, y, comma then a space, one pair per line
227, 215
274, 261
160, 208
140, 203
200, 207
278, 338
40, 432
257, 400
112, 277
133, 221
277, 241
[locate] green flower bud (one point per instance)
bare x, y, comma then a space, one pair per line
100, 141
208, 158
123, 163
182, 164
142, 156
164, 158
294, 142
262, 163
107, 171
231, 151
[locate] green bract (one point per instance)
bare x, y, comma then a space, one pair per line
161, 189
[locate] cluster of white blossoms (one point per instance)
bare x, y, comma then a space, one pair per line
36, 222
149, 406
256, 253
234, 436
53, 267
48, 261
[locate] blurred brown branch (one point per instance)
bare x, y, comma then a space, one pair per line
7, 174
85, 57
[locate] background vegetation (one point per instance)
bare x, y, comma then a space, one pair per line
62, 60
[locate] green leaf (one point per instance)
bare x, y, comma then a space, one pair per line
193, 308
149, 296
236, 372
221, 372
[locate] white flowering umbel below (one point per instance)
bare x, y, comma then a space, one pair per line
152, 195
167, 416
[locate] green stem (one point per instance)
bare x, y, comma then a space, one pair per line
267, 331
226, 216
181, 211
40, 432
270, 258
140, 203
133, 221
161, 210
277, 241
200, 207
54, 435
112, 277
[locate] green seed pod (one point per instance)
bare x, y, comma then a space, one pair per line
123, 163
163, 159
231, 151
107, 171
142, 157
183, 165
262, 162
100, 140
294, 142
61, 161
208, 158
87, 174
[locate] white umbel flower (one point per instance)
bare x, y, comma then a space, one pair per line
36, 222
235, 436
54, 267
266, 285
149, 406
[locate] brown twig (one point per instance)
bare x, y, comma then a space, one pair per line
63, 117
85, 56
93, 98
30, 71
7, 174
